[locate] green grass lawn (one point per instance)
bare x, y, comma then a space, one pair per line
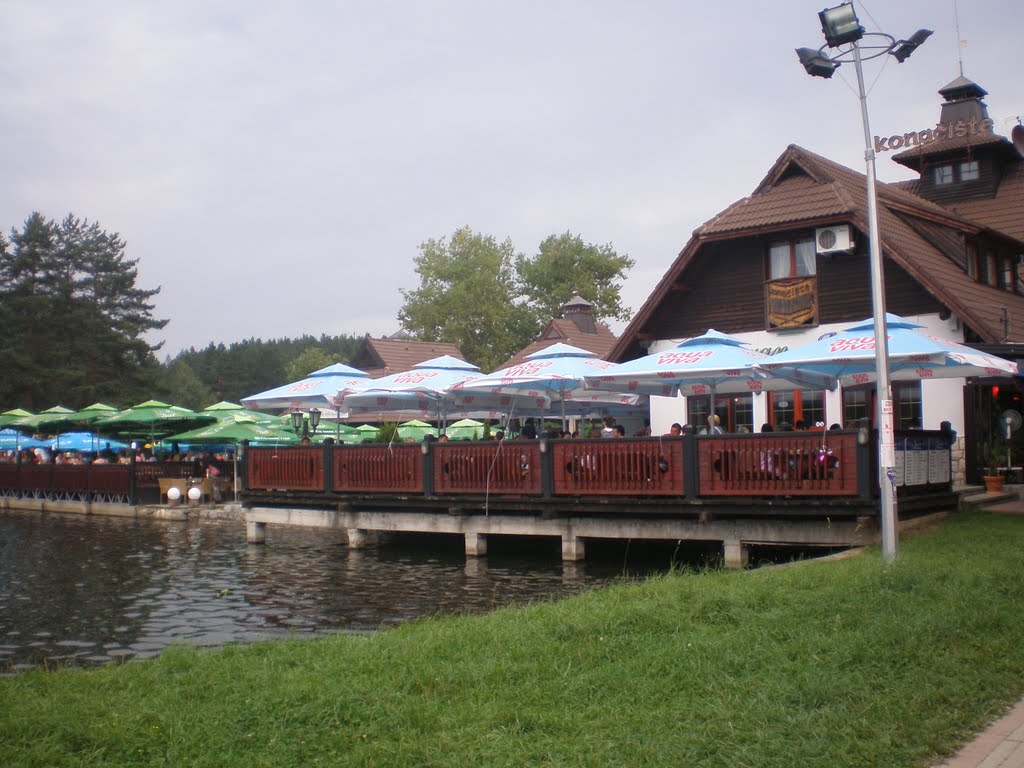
838, 663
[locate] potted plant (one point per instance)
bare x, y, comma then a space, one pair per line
992, 455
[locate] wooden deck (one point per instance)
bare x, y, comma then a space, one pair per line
782, 488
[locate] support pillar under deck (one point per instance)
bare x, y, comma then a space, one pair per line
572, 547
736, 554
356, 538
256, 533
476, 544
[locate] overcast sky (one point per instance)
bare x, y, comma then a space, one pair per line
274, 166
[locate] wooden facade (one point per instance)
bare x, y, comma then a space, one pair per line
724, 289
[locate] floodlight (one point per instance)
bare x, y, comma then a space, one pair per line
840, 25
904, 48
816, 63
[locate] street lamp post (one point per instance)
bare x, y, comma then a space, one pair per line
306, 425
842, 28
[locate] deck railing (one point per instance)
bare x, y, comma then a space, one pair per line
380, 468
833, 464
651, 467
509, 467
297, 468
776, 464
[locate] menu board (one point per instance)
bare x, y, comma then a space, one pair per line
938, 460
916, 459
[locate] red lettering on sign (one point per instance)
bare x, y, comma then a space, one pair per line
415, 377
852, 344
526, 369
682, 357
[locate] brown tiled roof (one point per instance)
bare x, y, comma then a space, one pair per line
564, 331
1004, 211
380, 357
804, 189
915, 156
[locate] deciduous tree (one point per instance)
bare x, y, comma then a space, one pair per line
467, 296
565, 265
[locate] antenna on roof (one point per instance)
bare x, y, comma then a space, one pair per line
961, 43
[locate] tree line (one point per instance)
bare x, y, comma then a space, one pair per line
75, 322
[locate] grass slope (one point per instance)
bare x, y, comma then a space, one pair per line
842, 663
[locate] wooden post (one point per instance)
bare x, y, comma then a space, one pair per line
691, 468
428, 467
328, 460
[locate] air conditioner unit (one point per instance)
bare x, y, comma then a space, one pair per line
837, 239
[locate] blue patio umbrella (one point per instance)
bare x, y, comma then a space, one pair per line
423, 390
848, 357
324, 388
12, 440
555, 374
84, 441
704, 365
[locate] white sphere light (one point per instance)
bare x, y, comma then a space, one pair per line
195, 494
173, 494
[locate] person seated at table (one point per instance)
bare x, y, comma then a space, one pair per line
766, 427
714, 426
618, 431
675, 430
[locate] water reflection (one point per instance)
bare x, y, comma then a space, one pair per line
78, 590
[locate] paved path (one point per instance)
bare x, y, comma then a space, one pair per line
1001, 745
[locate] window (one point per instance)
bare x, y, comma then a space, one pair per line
859, 403
991, 273
907, 395
736, 412
972, 261
1007, 282
791, 406
969, 171
792, 258
943, 174
856, 406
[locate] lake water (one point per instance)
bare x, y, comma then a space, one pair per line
92, 590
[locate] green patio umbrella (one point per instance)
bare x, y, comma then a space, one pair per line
42, 422
79, 420
13, 415
415, 429
222, 432
465, 428
225, 411
366, 433
152, 419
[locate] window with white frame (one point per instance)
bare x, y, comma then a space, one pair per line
969, 171
944, 174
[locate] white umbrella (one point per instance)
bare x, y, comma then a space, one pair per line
848, 357
326, 387
555, 373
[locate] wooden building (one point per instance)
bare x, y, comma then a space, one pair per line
789, 263
381, 357
575, 325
